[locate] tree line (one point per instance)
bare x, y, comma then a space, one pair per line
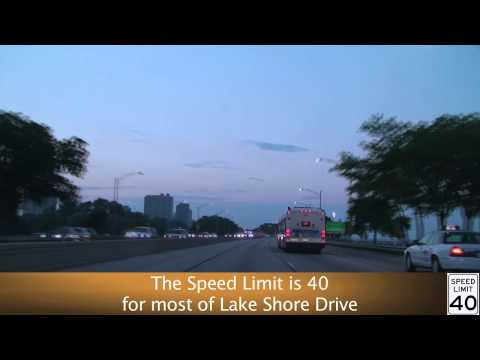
35, 165
430, 167
111, 218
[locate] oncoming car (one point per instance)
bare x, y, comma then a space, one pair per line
207, 235
176, 234
445, 250
141, 232
69, 233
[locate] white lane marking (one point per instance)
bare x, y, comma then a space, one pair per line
212, 257
291, 266
281, 257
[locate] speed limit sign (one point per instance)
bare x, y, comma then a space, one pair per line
463, 294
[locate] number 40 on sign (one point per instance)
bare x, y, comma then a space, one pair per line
462, 294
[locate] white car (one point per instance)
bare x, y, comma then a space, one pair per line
445, 250
176, 234
141, 232
68, 233
206, 235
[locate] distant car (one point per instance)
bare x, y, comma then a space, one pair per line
84, 233
68, 233
176, 234
93, 233
140, 232
445, 250
41, 235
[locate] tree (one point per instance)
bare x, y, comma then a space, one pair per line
175, 224
267, 228
34, 164
216, 224
465, 161
372, 214
430, 167
426, 161
378, 185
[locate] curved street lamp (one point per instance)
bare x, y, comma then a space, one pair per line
116, 183
319, 194
319, 159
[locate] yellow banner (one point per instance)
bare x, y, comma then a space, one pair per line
223, 293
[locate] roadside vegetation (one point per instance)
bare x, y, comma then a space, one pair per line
432, 168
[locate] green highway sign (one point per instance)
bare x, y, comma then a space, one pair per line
336, 227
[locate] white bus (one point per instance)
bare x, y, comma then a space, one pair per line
302, 227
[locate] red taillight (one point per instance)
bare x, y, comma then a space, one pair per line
324, 234
457, 251
288, 232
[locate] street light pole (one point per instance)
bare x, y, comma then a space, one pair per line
319, 194
116, 183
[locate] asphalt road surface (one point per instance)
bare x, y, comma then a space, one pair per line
253, 255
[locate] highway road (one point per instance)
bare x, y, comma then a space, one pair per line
252, 255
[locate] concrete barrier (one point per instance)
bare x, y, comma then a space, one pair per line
56, 256
397, 250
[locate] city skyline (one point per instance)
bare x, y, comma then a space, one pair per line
236, 126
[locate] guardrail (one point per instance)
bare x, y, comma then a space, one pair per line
57, 255
14, 239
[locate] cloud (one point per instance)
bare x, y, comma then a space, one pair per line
240, 191
204, 198
139, 141
136, 132
137, 136
253, 178
197, 190
277, 147
94, 188
209, 165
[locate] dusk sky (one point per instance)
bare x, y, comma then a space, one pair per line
237, 126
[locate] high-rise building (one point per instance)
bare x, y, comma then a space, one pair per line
183, 214
160, 206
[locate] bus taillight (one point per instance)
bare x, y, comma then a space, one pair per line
324, 234
288, 232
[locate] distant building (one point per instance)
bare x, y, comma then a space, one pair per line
160, 206
46, 205
183, 214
